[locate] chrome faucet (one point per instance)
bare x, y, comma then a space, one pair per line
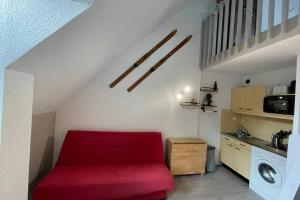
242, 132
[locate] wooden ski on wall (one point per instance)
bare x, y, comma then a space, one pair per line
142, 59
159, 63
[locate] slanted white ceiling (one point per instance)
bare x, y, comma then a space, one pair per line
73, 56
25, 23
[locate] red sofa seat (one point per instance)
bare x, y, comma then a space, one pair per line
107, 166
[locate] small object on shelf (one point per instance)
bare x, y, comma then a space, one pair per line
213, 89
207, 104
292, 88
280, 89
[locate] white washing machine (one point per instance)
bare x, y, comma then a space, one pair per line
267, 173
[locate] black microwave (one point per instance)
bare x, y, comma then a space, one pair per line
280, 104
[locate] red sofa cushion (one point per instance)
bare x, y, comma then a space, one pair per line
94, 148
108, 166
104, 182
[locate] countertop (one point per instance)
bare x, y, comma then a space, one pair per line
258, 143
186, 141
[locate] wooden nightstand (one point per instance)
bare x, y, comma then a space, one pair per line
186, 155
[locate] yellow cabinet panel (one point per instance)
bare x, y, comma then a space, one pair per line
238, 98
227, 152
248, 99
236, 155
242, 161
255, 98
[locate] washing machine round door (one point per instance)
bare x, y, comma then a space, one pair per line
268, 173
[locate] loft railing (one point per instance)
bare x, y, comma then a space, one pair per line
238, 25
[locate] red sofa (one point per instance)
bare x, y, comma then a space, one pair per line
108, 166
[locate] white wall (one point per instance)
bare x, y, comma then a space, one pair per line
153, 104
72, 57
16, 130
209, 123
281, 76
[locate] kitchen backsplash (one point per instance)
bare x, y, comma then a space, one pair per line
263, 128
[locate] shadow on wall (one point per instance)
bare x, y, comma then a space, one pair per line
41, 147
24, 24
46, 163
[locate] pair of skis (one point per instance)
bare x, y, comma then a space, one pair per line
146, 56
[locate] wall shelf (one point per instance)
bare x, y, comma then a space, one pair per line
191, 105
210, 90
196, 105
266, 115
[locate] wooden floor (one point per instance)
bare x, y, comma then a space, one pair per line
220, 185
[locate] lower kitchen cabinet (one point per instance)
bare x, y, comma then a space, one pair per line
227, 151
236, 155
242, 160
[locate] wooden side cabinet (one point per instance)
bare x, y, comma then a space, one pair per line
186, 156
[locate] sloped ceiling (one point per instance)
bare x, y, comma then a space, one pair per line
25, 23
73, 56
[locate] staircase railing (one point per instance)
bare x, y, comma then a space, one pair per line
239, 25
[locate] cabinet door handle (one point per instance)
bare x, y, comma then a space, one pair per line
249, 109
241, 108
230, 145
226, 139
237, 148
242, 145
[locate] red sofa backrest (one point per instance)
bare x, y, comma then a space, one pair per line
106, 148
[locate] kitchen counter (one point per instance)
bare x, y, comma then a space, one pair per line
258, 143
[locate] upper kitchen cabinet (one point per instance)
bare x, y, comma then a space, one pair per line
248, 99
255, 98
238, 98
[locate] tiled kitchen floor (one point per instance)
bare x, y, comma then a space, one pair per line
220, 185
